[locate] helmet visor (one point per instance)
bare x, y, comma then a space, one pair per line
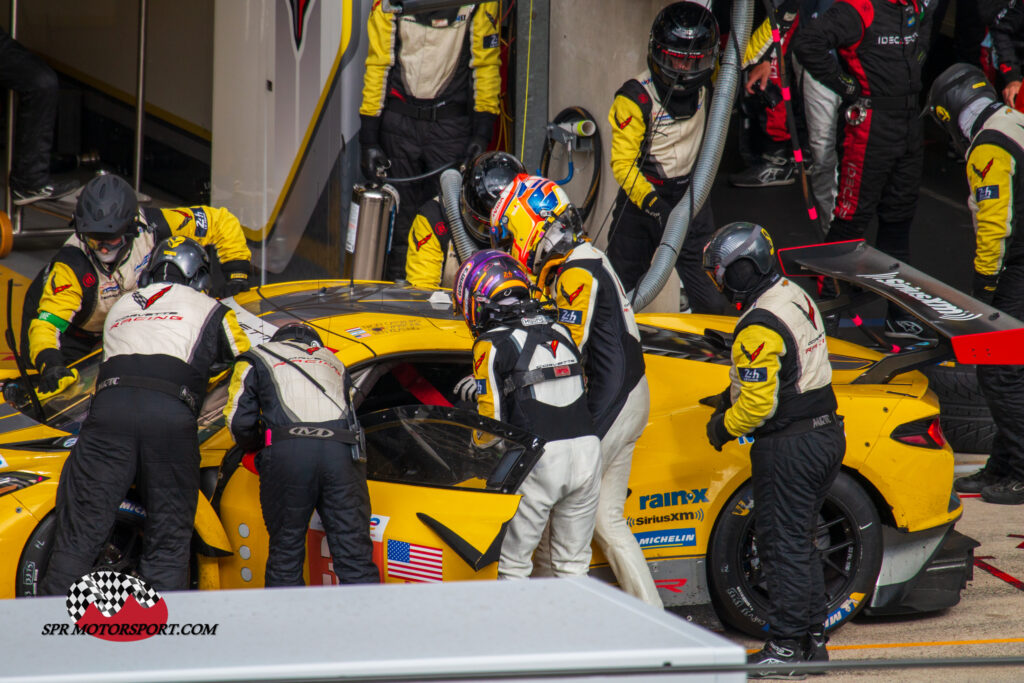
682, 64
105, 243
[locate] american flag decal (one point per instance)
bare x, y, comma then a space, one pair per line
418, 563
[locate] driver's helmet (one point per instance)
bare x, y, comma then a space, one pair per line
951, 93
486, 280
683, 49
182, 260
482, 183
739, 258
535, 220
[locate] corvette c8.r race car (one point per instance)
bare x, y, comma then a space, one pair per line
441, 504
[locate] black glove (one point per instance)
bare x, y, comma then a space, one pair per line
984, 288
847, 87
373, 162
52, 370
718, 435
236, 284
474, 149
657, 208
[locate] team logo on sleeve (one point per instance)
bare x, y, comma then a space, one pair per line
570, 317
984, 172
624, 122
753, 374
570, 297
986, 192
751, 356
809, 313
420, 243
479, 361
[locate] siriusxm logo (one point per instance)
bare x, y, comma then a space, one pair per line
945, 309
669, 538
670, 498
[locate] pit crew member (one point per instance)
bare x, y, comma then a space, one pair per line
991, 136
68, 300
432, 252
537, 223
781, 396
160, 343
430, 97
657, 123
529, 374
292, 396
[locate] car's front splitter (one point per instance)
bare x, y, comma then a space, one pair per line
922, 571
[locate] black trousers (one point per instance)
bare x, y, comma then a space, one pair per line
1003, 385
636, 237
792, 474
37, 88
131, 435
415, 147
298, 476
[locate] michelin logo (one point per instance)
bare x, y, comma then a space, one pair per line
669, 538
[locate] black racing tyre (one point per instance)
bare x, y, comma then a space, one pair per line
849, 536
121, 552
964, 415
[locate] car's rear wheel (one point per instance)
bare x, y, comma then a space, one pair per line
849, 538
120, 553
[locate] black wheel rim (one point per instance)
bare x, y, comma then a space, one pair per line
839, 542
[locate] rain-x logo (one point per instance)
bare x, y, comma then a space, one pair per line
113, 606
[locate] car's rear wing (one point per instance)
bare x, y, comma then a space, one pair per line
977, 332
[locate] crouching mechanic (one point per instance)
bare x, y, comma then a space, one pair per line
781, 394
159, 344
529, 375
68, 300
431, 259
593, 306
293, 396
991, 136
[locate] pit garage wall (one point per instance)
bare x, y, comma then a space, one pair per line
285, 112
596, 45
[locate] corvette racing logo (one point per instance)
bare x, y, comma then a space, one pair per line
117, 607
946, 310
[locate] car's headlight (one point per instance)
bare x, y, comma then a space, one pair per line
16, 481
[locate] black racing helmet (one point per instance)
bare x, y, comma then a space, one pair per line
179, 259
951, 93
482, 183
739, 258
683, 49
300, 332
107, 207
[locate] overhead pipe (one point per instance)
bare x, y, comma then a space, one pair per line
9, 201
140, 94
451, 187
707, 160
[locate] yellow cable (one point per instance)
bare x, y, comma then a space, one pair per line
526, 90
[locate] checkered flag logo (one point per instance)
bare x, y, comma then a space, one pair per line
109, 591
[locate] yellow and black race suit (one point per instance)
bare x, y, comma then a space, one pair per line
652, 156
66, 304
593, 307
431, 250
430, 93
994, 164
782, 394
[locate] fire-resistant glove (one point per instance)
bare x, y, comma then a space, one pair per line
657, 208
847, 87
984, 288
236, 284
54, 377
718, 435
466, 389
373, 162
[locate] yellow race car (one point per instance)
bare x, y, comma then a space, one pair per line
441, 504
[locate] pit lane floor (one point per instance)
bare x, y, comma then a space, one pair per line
988, 621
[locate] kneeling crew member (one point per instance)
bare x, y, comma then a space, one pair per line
68, 300
529, 375
142, 424
593, 306
293, 395
781, 394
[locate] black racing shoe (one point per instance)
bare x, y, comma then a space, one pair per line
771, 171
781, 653
815, 650
976, 482
1006, 492
54, 189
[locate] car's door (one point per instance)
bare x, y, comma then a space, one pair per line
440, 502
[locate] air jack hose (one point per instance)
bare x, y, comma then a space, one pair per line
707, 160
451, 187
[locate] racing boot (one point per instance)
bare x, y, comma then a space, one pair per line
974, 483
815, 650
770, 171
777, 654
1006, 492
